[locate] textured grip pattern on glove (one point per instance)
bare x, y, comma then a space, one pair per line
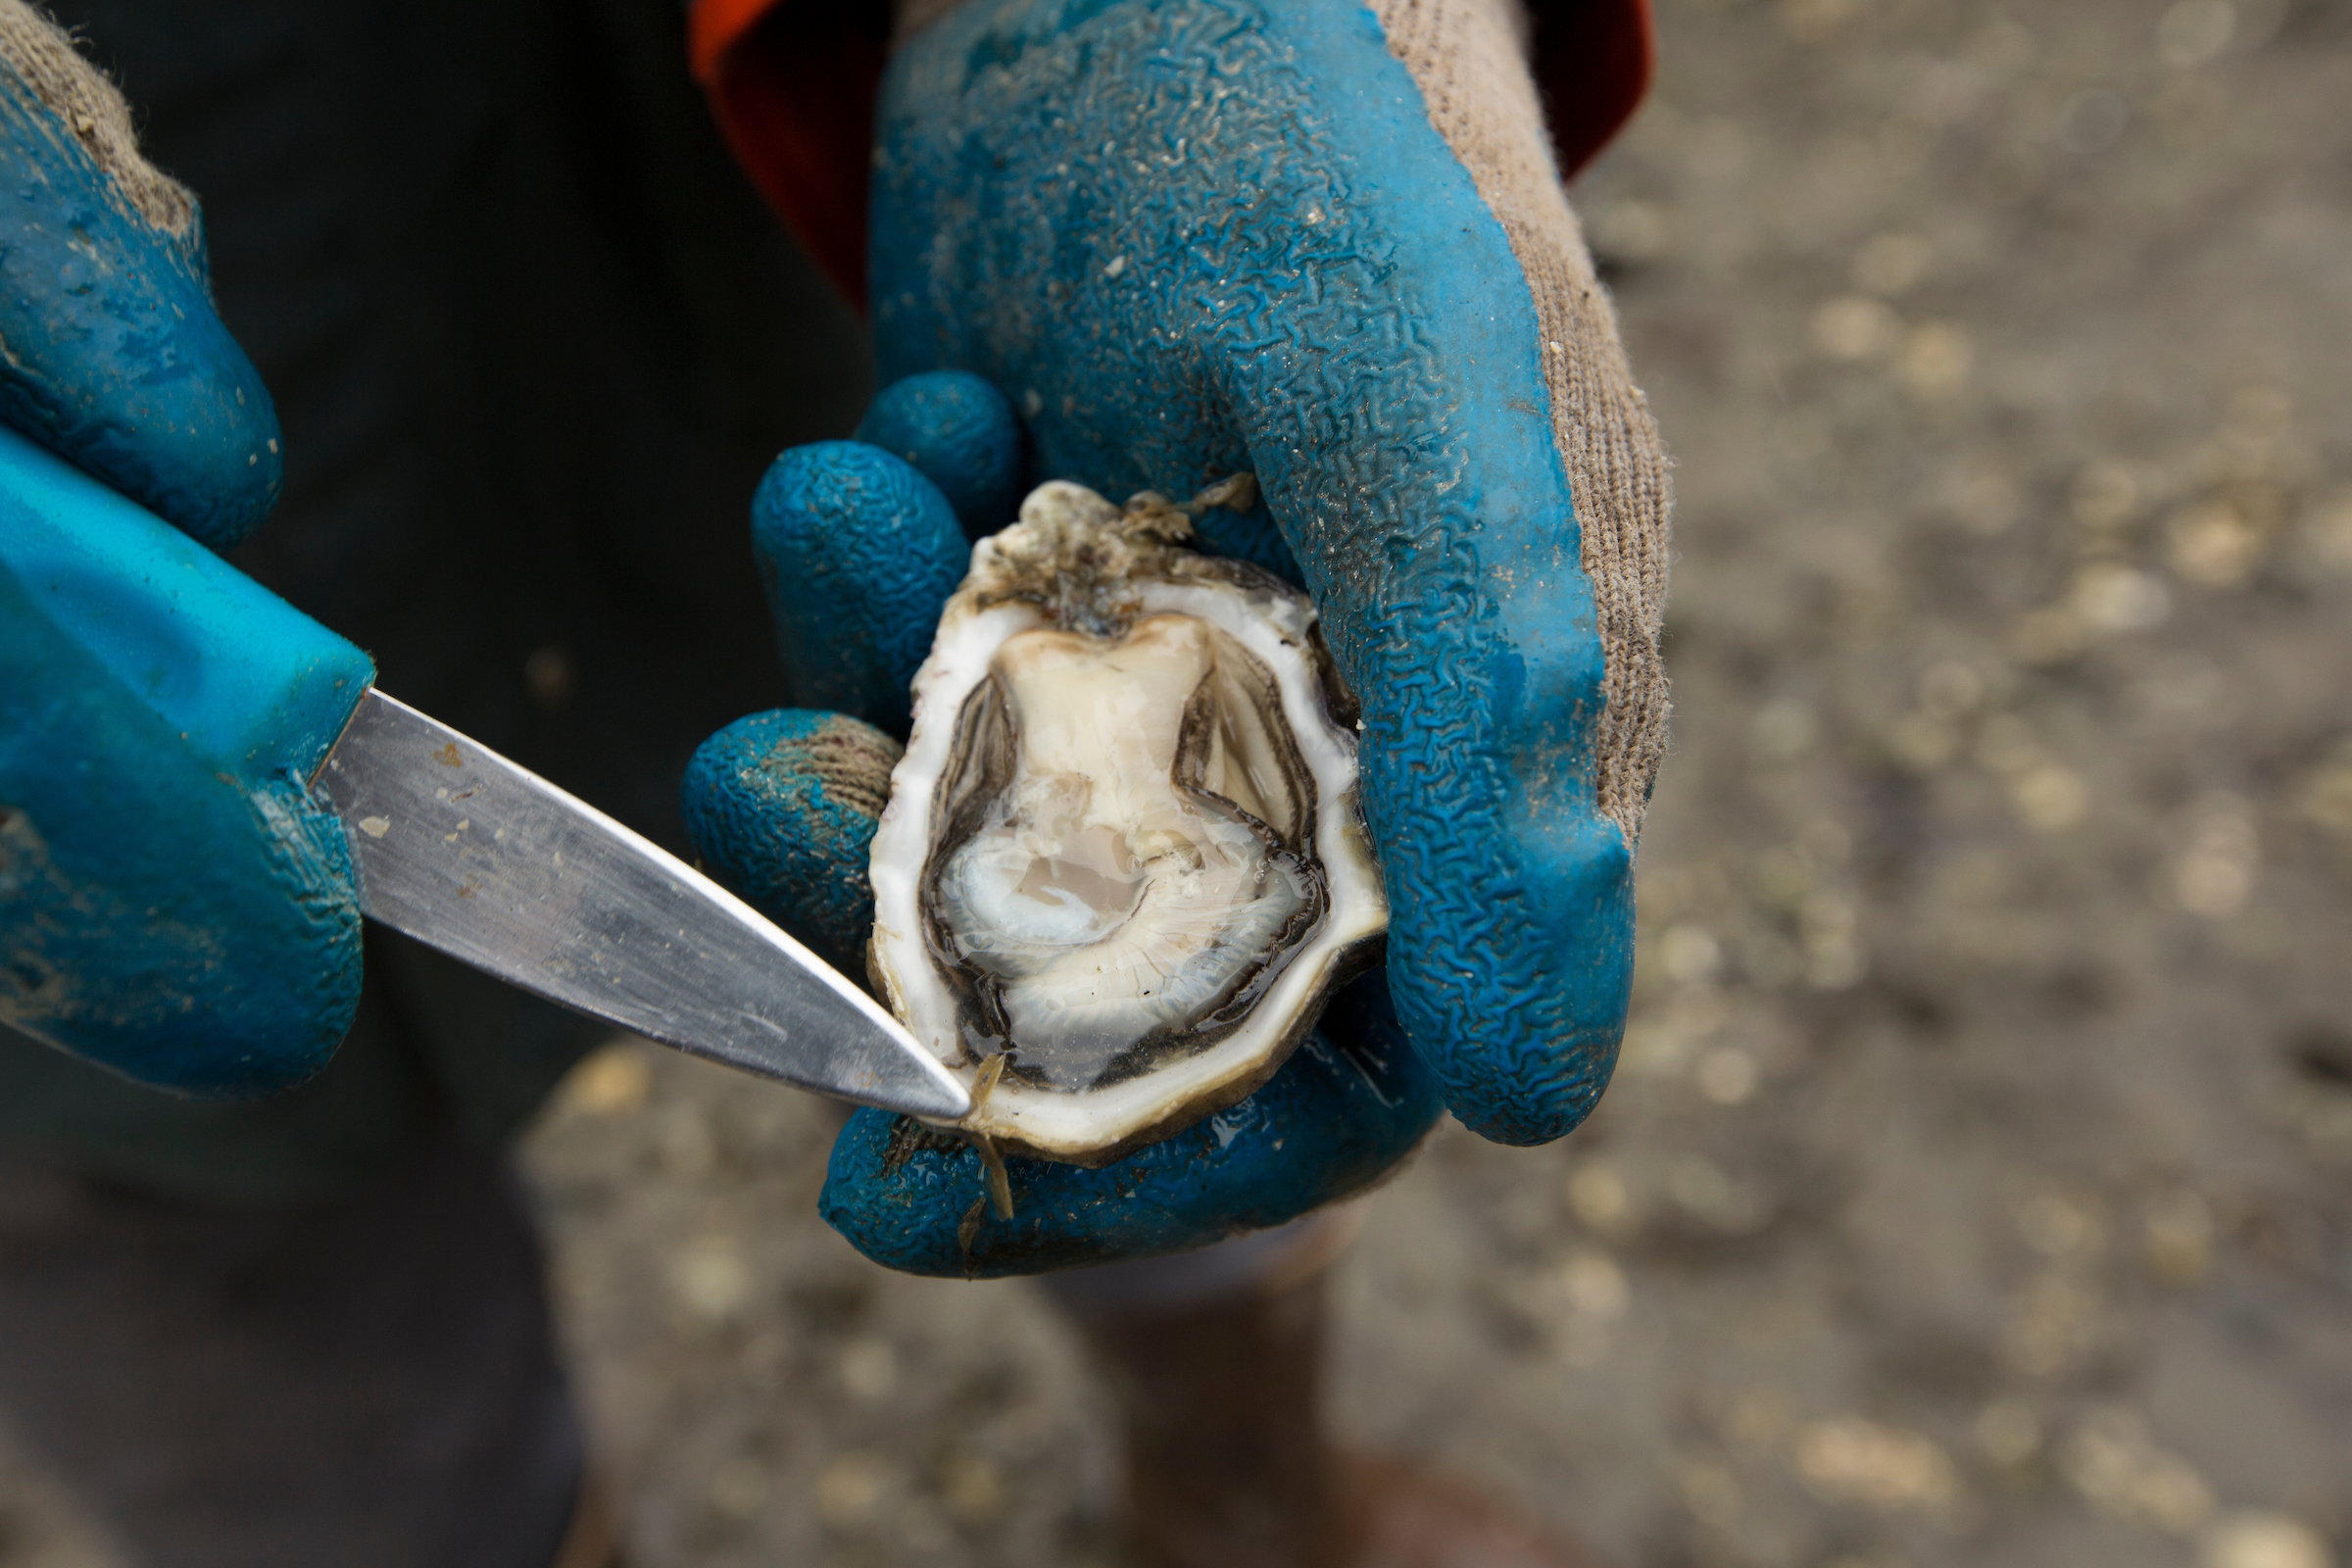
858, 553
1467, 57
959, 432
781, 807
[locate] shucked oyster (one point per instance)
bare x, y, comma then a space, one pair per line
1123, 863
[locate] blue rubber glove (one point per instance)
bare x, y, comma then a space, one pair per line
116, 360
1191, 238
171, 904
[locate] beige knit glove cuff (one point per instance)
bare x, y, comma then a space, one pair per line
1469, 58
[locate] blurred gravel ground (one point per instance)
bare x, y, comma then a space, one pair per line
1974, 1187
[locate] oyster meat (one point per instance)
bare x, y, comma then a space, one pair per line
1123, 863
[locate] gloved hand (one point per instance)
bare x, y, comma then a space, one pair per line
859, 550
171, 906
1324, 244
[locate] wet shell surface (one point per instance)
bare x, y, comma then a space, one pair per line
1123, 864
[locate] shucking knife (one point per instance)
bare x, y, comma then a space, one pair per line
454, 845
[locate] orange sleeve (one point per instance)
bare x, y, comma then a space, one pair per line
792, 82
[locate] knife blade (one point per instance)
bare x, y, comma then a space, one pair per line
494, 865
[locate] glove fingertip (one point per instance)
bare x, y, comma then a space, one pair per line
960, 433
781, 807
857, 553
117, 360
1524, 1035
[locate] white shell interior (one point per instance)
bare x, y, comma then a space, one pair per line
1107, 903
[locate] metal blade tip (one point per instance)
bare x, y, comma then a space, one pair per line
920, 1087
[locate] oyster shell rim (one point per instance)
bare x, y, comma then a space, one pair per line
1276, 623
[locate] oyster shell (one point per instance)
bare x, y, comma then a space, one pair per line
1123, 863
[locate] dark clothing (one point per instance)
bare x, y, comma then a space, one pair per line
368, 1384
532, 339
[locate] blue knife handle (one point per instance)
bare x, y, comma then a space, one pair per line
251, 684
174, 905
